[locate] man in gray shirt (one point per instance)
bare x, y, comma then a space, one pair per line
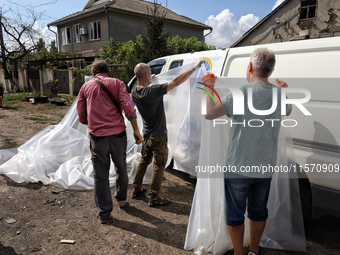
250, 146
149, 101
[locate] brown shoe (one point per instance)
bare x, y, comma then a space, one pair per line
109, 220
121, 204
136, 194
159, 201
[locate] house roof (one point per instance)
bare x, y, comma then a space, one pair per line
138, 7
259, 23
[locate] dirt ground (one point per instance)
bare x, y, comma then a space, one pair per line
45, 215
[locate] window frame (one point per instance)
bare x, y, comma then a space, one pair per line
92, 31
68, 35
307, 7
74, 35
179, 61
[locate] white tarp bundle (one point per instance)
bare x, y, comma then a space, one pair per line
59, 155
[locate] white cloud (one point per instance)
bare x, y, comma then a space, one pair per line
278, 2
226, 29
45, 33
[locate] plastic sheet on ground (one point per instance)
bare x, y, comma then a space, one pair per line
59, 155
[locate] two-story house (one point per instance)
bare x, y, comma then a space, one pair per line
87, 31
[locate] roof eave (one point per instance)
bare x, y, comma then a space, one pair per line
83, 14
99, 10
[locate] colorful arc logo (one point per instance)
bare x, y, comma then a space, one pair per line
209, 68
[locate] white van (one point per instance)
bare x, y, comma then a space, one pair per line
161, 65
314, 65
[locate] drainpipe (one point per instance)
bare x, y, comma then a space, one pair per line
56, 37
108, 23
208, 33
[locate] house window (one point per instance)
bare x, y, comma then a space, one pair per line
308, 9
79, 65
76, 33
65, 36
95, 30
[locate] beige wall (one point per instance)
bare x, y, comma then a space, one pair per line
86, 47
285, 24
126, 27
21, 80
183, 31
2, 78
123, 27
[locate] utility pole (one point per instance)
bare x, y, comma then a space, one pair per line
2, 40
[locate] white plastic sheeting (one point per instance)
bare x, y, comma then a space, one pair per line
59, 155
193, 142
207, 230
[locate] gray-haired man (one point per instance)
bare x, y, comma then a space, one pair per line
250, 147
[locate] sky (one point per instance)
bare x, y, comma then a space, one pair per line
229, 19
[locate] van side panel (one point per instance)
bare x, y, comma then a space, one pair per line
312, 65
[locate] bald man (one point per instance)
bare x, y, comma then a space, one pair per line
149, 101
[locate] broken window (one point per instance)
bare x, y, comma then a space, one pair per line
308, 9
95, 30
76, 33
65, 36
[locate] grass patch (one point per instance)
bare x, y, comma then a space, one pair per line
38, 118
10, 102
14, 98
69, 99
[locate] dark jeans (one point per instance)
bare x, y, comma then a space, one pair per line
242, 192
101, 149
153, 146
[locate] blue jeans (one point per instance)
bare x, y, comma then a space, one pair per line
242, 192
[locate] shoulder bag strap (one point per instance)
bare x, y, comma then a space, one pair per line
114, 101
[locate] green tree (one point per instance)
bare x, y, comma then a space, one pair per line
178, 45
146, 48
53, 48
41, 45
154, 44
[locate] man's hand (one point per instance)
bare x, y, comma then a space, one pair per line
138, 137
209, 79
199, 63
282, 84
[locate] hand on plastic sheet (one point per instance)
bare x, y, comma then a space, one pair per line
282, 84
199, 63
209, 79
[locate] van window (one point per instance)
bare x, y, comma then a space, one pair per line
176, 63
157, 65
156, 69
